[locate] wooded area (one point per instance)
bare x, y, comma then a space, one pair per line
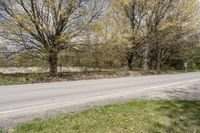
133, 34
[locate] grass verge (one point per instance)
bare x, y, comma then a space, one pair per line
131, 117
12, 79
28, 78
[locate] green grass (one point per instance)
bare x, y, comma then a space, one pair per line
20, 78
131, 117
12, 79
28, 78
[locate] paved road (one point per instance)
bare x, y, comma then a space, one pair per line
23, 102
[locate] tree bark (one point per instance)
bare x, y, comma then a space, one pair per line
53, 63
146, 58
159, 60
130, 61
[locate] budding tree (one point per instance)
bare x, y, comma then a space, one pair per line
158, 23
46, 27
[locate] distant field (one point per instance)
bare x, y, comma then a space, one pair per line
9, 70
131, 117
28, 70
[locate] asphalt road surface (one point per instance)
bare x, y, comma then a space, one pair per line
21, 103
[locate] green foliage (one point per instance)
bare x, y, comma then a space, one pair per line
131, 117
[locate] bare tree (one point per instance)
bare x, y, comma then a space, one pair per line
136, 11
168, 22
154, 21
46, 27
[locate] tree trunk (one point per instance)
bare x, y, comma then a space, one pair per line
158, 66
146, 58
53, 63
130, 61
159, 60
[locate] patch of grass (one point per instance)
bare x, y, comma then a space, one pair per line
11, 79
20, 78
131, 117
